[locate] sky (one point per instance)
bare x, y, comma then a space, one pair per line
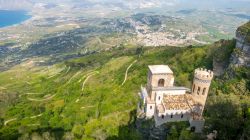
129, 4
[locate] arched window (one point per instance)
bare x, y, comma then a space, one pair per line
198, 91
150, 107
204, 91
162, 116
181, 115
161, 83
193, 129
193, 87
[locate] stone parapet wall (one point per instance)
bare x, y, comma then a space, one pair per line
203, 74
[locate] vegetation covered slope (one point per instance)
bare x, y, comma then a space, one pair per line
84, 98
245, 31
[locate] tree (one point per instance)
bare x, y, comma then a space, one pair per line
173, 134
223, 114
1, 122
139, 51
78, 130
186, 135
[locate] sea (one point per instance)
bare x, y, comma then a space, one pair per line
9, 18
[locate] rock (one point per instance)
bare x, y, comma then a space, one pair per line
241, 55
219, 68
149, 131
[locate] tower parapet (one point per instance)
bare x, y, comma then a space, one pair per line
203, 74
201, 84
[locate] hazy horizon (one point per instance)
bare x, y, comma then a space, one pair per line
127, 4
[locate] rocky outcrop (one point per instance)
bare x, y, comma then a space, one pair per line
221, 53
149, 131
241, 54
219, 68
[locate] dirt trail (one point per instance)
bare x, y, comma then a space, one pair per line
86, 76
14, 119
89, 75
126, 73
36, 124
8, 121
73, 77
30, 94
68, 70
32, 117
87, 107
77, 100
41, 100
85, 81
3, 88
57, 73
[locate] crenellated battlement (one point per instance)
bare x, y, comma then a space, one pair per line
203, 74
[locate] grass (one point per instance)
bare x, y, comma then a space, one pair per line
104, 105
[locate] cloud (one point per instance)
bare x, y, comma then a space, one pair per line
123, 4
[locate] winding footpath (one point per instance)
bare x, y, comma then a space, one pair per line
58, 73
14, 119
85, 81
41, 100
73, 77
89, 75
8, 121
86, 76
36, 116
126, 74
29, 94
87, 107
2, 89
68, 70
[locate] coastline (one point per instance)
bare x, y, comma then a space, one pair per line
25, 16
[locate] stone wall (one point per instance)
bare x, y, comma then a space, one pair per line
159, 119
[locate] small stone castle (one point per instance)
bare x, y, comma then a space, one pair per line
165, 102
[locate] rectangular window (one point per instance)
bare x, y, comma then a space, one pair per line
150, 107
159, 97
181, 115
198, 91
204, 91
171, 116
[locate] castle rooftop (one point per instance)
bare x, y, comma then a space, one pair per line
160, 69
178, 102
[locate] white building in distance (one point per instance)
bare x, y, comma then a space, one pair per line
167, 103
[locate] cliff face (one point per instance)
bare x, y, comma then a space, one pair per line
241, 54
222, 51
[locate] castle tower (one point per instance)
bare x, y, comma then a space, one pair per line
200, 88
159, 77
201, 84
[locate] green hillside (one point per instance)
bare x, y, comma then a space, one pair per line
84, 98
245, 31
